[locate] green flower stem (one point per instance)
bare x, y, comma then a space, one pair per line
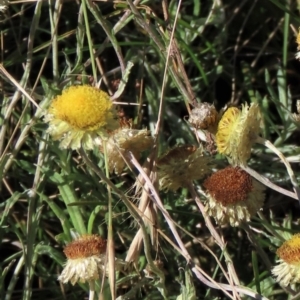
90, 42
68, 195
54, 16
15, 277
122, 22
92, 290
108, 30
33, 220
61, 216
92, 218
6, 163
217, 237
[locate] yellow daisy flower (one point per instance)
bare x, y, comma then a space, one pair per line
298, 48
181, 165
81, 116
124, 140
233, 196
237, 132
288, 270
86, 260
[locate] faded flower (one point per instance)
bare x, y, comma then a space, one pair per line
181, 165
238, 131
233, 196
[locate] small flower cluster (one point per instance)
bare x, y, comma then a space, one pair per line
84, 116
287, 271
233, 196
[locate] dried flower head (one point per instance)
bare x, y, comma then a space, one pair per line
3, 5
296, 116
233, 196
238, 131
124, 140
80, 116
204, 116
288, 270
298, 48
181, 165
86, 259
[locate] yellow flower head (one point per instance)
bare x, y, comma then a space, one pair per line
124, 140
80, 115
233, 196
298, 48
288, 270
181, 165
86, 260
237, 132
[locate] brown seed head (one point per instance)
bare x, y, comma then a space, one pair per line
229, 185
85, 246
